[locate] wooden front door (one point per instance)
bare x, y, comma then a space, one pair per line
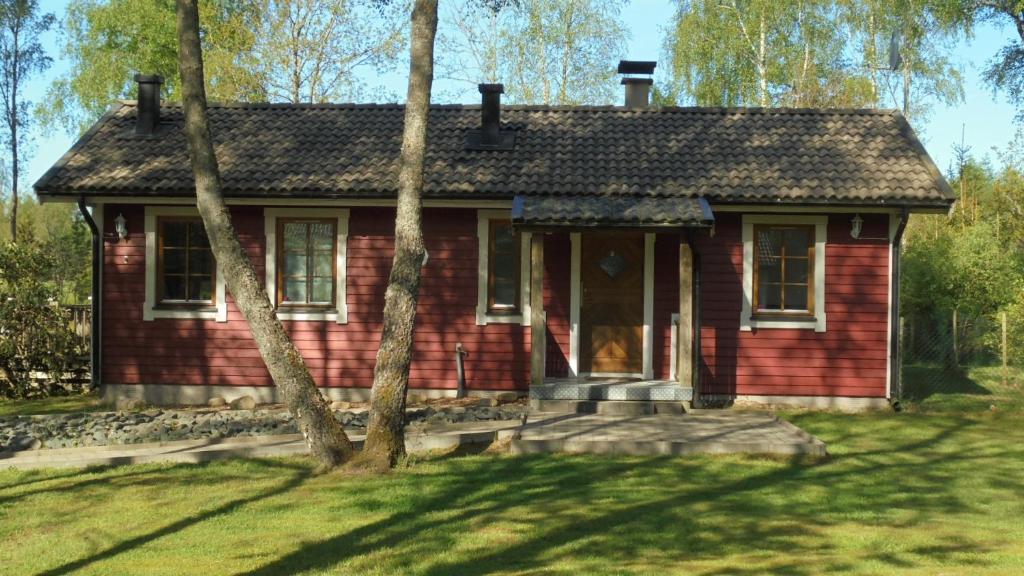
612, 303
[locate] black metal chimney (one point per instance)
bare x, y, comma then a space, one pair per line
490, 114
148, 112
638, 90
490, 136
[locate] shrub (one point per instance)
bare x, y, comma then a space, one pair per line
36, 337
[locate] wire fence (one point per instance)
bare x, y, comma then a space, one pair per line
950, 353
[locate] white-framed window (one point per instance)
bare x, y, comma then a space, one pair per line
503, 274
784, 271
306, 262
182, 277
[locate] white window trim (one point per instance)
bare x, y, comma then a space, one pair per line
483, 237
270, 216
817, 323
150, 309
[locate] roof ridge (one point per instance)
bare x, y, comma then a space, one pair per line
539, 108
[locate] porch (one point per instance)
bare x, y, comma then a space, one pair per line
622, 344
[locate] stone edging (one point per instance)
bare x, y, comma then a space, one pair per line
110, 428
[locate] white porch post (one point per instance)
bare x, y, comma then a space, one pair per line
538, 332
684, 354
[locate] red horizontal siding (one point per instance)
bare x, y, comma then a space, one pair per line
849, 359
167, 351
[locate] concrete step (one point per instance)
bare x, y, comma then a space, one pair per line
607, 407
585, 389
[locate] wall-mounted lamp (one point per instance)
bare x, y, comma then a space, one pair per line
855, 225
121, 226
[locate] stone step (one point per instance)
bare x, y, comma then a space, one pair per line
648, 390
607, 407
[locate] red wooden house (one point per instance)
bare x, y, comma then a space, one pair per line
625, 252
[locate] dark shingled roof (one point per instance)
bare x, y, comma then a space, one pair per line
337, 151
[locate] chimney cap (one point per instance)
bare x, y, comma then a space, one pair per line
637, 66
492, 88
149, 79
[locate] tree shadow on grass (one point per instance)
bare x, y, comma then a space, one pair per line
700, 509
708, 518
298, 476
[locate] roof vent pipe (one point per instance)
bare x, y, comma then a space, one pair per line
148, 112
638, 89
490, 114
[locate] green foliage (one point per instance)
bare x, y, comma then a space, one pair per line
35, 332
309, 50
544, 51
107, 41
973, 260
799, 53
253, 50
61, 229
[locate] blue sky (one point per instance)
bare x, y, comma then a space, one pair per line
987, 120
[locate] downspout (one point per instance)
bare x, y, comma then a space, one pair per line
896, 386
697, 401
94, 328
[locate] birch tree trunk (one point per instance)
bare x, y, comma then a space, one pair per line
385, 438
327, 441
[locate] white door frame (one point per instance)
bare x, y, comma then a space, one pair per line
575, 299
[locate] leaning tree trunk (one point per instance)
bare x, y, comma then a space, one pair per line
327, 441
385, 440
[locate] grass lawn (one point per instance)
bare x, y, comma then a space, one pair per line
55, 405
910, 493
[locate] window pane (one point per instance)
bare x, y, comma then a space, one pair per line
175, 233
796, 271
322, 235
796, 298
200, 262
504, 265
769, 269
769, 296
797, 241
174, 261
294, 291
323, 264
174, 288
322, 289
295, 264
200, 288
504, 294
295, 236
769, 242
197, 235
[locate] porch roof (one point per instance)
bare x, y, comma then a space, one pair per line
542, 211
